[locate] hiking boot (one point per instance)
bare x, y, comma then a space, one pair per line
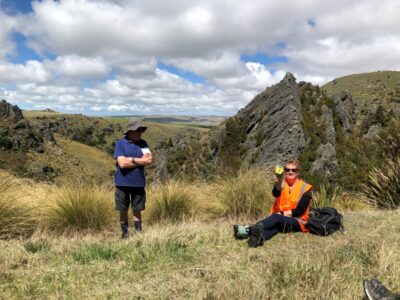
256, 237
124, 236
240, 232
375, 290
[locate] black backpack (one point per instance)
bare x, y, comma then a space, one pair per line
324, 221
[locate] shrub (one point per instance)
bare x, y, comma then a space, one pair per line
79, 208
383, 186
171, 201
15, 217
247, 195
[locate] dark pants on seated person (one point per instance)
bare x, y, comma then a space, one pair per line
277, 223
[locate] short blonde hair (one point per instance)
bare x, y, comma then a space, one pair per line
293, 162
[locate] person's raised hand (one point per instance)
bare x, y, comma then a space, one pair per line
279, 171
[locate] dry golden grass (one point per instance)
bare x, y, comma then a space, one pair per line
201, 260
16, 218
195, 258
172, 201
248, 195
75, 208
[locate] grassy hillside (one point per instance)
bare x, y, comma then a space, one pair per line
83, 146
73, 161
156, 132
188, 253
201, 260
368, 87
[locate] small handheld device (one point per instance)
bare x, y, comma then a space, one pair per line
279, 169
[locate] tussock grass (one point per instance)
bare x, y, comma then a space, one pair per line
351, 201
323, 197
201, 260
16, 218
79, 208
170, 202
383, 187
248, 195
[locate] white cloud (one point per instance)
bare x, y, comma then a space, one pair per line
7, 25
31, 71
107, 52
79, 67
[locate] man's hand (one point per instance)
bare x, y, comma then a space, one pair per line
125, 162
146, 159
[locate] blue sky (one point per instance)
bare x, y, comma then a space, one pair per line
149, 57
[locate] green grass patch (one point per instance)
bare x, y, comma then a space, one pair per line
37, 246
95, 252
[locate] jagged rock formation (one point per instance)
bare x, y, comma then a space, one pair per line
269, 129
16, 132
10, 112
272, 126
328, 134
326, 164
345, 109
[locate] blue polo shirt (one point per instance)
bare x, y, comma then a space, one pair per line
132, 177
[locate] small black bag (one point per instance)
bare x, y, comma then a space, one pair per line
324, 221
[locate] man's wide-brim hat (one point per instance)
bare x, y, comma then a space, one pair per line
134, 125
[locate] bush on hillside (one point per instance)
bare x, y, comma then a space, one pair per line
80, 208
170, 202
383, 187
247, 195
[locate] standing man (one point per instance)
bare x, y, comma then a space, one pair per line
131, 154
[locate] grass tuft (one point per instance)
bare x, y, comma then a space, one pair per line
15, 217
248, 195
79, 208
37, 246
323, 197
383, 187
170, 202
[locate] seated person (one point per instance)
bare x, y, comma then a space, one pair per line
289, 212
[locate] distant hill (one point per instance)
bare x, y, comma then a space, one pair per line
368, 88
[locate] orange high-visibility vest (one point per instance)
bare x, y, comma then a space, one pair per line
288, 200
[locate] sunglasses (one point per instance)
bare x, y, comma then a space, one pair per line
287, 170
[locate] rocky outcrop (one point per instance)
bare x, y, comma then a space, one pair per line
345, 110
273, 124
326, 163
16, 133
327, 118
10, 112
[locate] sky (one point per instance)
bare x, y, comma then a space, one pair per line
183, 57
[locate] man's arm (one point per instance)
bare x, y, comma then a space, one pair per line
126, 162
145, 160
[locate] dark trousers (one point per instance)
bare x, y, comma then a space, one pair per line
277, 223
